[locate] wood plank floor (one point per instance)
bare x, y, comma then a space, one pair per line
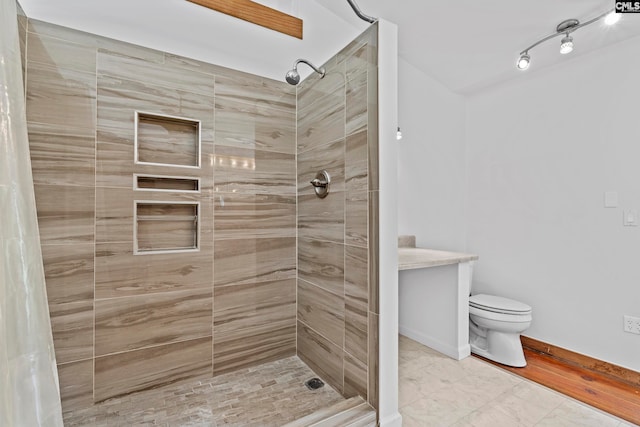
600, 391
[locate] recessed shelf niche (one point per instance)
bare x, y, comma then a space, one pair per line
166, 183
167, 140
162, 227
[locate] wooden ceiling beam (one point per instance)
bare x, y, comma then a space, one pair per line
256, 13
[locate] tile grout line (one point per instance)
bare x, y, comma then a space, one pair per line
95, 225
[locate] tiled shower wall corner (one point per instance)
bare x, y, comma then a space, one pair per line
22, 35
125, 322
337, 235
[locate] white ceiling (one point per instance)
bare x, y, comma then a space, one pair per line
466, 44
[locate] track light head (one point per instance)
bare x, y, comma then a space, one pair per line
524, 61
566, 44
612, 18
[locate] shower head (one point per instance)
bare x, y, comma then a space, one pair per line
293, 77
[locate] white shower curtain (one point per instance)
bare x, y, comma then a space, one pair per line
29, 394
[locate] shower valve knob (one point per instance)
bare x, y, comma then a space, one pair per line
321, 183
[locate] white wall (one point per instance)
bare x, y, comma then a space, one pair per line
187, 29
542, 151
432, 177
387, 223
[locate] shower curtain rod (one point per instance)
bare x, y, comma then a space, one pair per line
361, 15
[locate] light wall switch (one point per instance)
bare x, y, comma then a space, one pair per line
611, 199
630, 218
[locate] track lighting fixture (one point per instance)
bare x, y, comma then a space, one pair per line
566, 28
612, 18
524, 61
566, 44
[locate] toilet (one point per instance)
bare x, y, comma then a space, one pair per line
495, 326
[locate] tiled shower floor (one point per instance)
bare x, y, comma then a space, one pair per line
271, 394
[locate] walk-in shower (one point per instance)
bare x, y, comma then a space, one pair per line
195, 189
293, 77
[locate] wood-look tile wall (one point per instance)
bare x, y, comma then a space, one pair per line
255, 205
124, 322
337, 236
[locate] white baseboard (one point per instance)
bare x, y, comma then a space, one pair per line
394, 420
457, 353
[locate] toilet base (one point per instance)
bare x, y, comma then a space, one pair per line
501, 347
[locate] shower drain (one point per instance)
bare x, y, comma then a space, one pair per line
314, 383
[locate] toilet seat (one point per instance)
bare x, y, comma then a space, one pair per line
498, 304
499, 317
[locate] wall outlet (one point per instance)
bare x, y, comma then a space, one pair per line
632, 324
630, 218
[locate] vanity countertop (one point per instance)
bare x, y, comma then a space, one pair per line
411, 258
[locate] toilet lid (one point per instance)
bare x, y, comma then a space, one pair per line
498, 304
